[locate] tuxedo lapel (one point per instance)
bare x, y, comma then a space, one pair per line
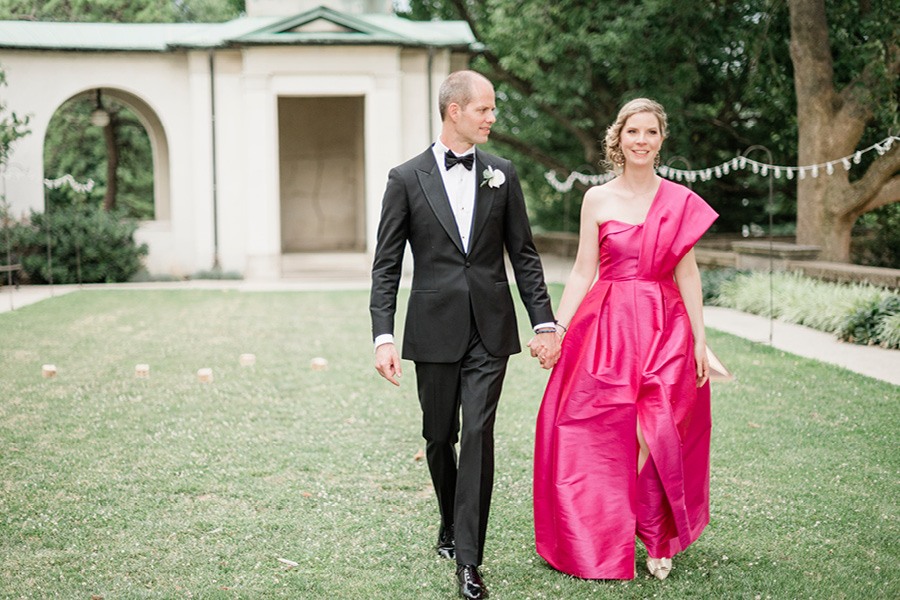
484, 199
433, 188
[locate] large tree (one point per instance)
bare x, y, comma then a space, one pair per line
833, 110
562, 69
722, 69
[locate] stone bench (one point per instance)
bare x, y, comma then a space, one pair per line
8, 269
847, 273
760, 254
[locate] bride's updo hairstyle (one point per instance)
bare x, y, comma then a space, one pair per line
615, 159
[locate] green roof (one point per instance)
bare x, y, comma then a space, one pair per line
315, 27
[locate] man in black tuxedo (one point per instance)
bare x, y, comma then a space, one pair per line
459, 208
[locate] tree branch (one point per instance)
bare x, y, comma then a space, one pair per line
871, 189
531, 152
856, 99
889, 193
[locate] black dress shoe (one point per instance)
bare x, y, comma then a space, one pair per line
446, 545
471, 585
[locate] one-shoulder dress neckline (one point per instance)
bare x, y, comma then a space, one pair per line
653, 203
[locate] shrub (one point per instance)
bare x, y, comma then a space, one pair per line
889, 331
869, 323
860, 313
87, 245
713, 279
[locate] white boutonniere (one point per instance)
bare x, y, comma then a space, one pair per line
493, 177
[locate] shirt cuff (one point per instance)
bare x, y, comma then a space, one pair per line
550, 325
384, 338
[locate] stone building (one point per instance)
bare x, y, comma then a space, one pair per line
271, 134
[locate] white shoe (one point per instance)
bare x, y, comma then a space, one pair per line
659, 567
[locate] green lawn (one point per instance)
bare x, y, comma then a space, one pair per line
170, 488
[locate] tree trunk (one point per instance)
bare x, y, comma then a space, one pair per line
112, 164
831, 124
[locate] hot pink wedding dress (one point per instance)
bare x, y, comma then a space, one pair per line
627, 356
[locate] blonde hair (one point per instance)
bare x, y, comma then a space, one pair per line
615, 159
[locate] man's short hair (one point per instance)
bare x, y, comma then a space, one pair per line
458, 88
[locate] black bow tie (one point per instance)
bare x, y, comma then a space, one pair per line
450, 159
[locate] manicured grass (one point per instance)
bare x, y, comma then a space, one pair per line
169, 488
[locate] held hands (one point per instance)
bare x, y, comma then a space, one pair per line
387, 362
545, 347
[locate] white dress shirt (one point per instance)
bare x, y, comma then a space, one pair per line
460, 185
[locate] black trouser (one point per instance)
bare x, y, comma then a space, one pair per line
463, 491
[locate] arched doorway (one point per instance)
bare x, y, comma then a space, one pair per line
114, 138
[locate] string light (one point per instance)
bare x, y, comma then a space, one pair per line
71, 182
736, 163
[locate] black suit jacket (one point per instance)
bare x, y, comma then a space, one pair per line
451, 286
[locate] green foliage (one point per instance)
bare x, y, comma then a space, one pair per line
877, 238
122, 11
873, 319
722, 70
860, 313
217, 274
712, 280
889, 331
87, 245
12, 126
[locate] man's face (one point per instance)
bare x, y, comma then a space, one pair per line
473, 121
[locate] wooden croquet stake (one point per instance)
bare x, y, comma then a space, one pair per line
205, 375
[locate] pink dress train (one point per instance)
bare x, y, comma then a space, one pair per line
627, 356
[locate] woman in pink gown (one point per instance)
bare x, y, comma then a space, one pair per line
622, 445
